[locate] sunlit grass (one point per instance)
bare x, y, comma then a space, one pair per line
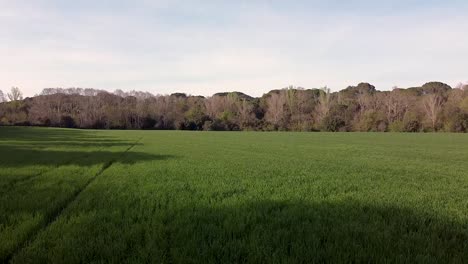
172, 196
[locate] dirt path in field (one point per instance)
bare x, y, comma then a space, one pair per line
55, 214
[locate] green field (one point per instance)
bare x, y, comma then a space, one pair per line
81, 196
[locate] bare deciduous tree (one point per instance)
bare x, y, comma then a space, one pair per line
15, 94
324, 103
395, 104
246, 116
432, 105
359, 108
275, 111
2, 97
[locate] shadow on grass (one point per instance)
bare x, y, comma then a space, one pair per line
53, 137
256, 232
20, 147
20, 157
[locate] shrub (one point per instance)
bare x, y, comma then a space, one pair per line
67, 121
333, 123
397, 126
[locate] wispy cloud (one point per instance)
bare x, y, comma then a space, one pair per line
202, 47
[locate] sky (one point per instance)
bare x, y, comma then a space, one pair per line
203, 47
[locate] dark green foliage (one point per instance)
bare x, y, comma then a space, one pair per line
457, 122
67, 121
333, 123
412, 126
237, 94
335, 120
372, 121
361, 88
435, 88
148, 123
195, 118
179, 95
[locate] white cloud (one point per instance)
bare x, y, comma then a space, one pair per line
202, 49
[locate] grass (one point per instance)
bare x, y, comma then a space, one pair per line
81, 196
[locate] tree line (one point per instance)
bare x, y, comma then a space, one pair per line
434, 106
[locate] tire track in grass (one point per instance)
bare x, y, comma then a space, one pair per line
55, 214
9, 186
13, 183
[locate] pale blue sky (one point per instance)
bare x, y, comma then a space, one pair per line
203, 47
